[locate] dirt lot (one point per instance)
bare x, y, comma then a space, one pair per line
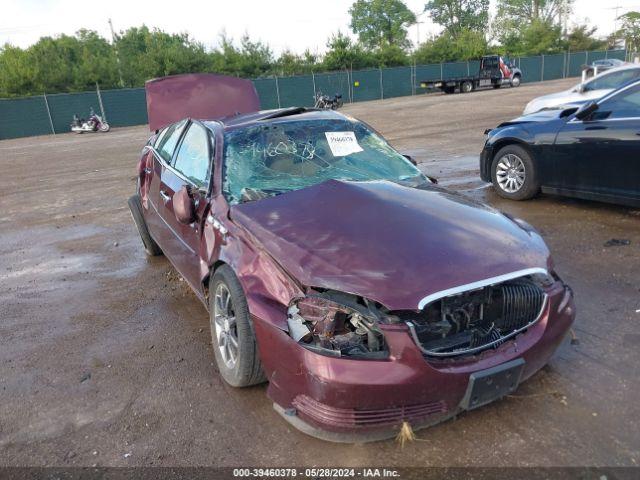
105, 355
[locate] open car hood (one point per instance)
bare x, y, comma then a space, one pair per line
198, 95
386, 242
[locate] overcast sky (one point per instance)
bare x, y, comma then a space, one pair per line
292, 24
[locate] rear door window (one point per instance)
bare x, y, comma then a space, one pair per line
193, 156
166, 143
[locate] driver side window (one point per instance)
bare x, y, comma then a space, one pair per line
626, 104
193, 156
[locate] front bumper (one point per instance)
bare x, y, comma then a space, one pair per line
339, 399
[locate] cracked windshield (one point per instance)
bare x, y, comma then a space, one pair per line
275, 158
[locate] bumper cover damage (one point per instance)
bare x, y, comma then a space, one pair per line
355, 400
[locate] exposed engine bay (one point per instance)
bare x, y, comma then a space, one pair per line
344, 325
478, 319
337, 324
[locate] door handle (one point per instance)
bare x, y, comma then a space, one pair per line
165, 196
147, 170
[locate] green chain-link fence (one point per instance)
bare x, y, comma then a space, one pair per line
43, 114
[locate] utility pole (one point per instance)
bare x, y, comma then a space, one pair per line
418, 33
115, 46
615, 24
417, 24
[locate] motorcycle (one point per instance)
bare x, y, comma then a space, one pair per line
93, 124
325, 102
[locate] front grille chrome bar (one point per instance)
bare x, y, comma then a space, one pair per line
466, 351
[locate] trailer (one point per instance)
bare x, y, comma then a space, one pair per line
493, 72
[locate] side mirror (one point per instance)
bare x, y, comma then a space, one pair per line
410, 158
580, 88
586, 110
433, 180
183, 206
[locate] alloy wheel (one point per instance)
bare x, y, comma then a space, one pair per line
225, 326
510, 173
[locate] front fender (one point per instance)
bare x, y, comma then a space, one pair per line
267, 287
498, 138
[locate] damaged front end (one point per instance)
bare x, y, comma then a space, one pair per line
479, 317
337, 324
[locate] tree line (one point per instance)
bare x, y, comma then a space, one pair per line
67, 63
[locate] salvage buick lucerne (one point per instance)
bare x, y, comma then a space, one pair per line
366, 295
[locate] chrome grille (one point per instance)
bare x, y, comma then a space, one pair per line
477, 319
521, 304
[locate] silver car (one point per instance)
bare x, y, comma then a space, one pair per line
592, 89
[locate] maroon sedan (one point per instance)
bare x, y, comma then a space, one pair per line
334, 269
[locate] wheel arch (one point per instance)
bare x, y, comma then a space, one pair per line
500, 143
505, 142
205, 280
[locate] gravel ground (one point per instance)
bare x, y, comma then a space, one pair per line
105, 355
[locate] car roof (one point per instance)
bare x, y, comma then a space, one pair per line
608, 61
279, 115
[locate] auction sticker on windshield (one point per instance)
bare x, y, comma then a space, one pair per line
342, 143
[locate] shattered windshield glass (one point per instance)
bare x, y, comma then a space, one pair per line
266, 160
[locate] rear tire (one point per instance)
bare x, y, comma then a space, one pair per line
513, 173
232, 336
150, 245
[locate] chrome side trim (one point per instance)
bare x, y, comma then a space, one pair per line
466, 351
217, 225
479, 284
618, 119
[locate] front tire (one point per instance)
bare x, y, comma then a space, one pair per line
105, 127
515, 81
232, 335
513, 173
466, 87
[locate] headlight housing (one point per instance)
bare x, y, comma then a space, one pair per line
336, 324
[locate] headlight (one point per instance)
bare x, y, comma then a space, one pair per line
336, 326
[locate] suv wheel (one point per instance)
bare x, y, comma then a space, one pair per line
232, 335
513, 173
466, 87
